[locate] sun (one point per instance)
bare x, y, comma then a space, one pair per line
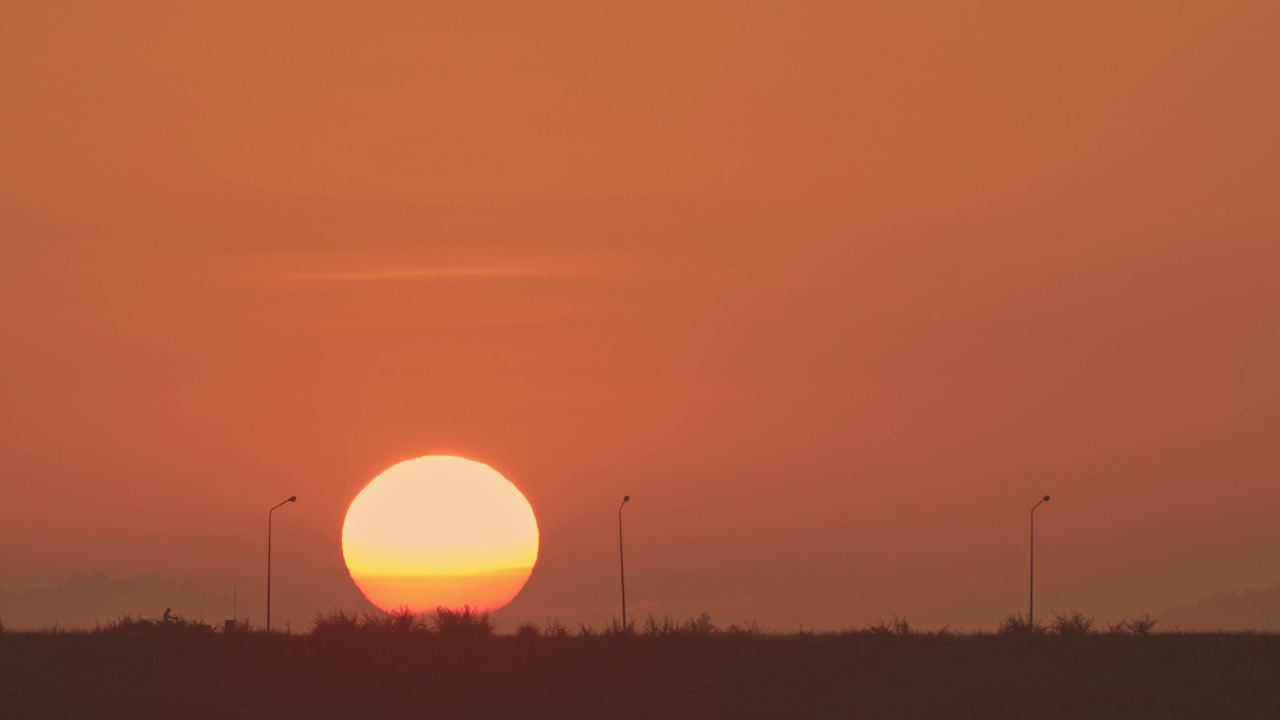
440, 531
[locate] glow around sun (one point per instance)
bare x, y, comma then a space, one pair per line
440, 531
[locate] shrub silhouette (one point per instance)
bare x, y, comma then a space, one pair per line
335, 623
338, 623
1136, 626
402, 621
700, 626
1017, 624
749, 627
554, 629
1142, 625
462, 623
898, 626
653, 628
1072, 624
615, 627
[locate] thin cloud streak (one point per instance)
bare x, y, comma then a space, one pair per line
444, 272
436, 272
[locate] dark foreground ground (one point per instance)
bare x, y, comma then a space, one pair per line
252, 675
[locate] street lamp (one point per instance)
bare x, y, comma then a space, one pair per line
622, 568
292, 498
1031, 610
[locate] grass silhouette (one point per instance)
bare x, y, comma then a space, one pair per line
459, 664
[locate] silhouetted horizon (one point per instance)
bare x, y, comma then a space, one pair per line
85, 601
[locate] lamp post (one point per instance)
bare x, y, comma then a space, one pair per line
292, 498
1031, 610
622, 568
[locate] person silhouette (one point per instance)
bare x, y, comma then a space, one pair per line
167, 612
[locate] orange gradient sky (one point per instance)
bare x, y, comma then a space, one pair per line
835, 291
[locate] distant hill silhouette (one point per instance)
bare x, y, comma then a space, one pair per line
86, 600
1241, 610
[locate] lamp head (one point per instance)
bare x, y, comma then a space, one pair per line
1046, 499
625, 498
294, 498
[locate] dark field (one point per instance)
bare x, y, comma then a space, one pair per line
186, 672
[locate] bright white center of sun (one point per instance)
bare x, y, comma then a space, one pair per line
440, 531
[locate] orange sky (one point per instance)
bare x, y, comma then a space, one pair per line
834, 290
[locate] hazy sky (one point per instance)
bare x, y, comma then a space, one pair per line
834, 290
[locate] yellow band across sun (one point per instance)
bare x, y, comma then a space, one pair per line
378, 560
